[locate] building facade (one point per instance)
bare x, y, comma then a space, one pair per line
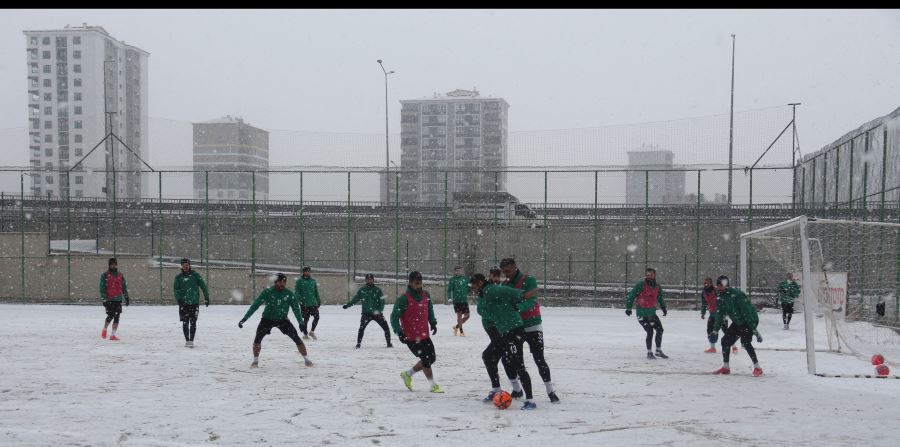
461, 131
653, 187
230, 144
82, 85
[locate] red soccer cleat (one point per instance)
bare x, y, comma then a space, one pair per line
722, 370
757, 372
113, 338
710, 350
103, 334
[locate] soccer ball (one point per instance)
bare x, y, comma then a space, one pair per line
882, 370
502, 400
877, 359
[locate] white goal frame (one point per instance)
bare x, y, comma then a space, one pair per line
809, 299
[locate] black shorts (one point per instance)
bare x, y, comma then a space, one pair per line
461, 308
424, 350
113, 308
285, 326
188, 312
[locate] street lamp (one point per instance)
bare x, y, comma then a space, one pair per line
387, 144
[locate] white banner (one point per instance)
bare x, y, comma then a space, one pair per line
832, 287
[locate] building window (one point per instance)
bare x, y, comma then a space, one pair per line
45, 41
45, 54
76, 54
48, 96
78, 110
34, 68
48, 124
48, 165
47, 83
48, 151
76, 96
77, 68
49, 179
33, 40
35, 138
77, 124
46, 68
48, 110
76, 40
48, 138
78, 151
78, 138
79, 180
35, 123
76, 82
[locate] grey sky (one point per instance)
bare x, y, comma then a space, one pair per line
316, 70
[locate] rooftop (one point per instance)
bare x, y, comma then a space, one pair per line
84, 28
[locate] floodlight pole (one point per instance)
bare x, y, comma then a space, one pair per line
731, 125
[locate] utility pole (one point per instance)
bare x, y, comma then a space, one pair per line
794, 153
387, 138
731, 125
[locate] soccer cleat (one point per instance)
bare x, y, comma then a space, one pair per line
757, 372
722, 370
490, 397
710, 350
461, 333
517, 394
436, 389
553, 398
407, 380
308, 363
113, 338
187, 344
313, 335
357, 346
650, 356
455, 331
389, 345
103, 334
529, 406
660, 354
255, 364
306, 336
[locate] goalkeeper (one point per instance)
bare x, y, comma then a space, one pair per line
734, 304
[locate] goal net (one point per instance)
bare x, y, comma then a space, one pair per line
849, 275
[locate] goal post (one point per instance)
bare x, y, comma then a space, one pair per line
849, 280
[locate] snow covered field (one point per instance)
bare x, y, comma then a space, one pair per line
61, 384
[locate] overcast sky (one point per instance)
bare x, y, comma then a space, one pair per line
317, 70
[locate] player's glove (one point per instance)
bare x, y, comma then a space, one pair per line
433, 329
401, 337
346, 306
207, 303
241, 324
758, 337
703, 315
628, 312
127, 302
665, 311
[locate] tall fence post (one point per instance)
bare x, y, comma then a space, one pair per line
544, 245
49, 223
397, 234
647, 217
884, 163
595, 269
206, 228
302, 235
68, 237
850, 192
253, 231
697, 235
494, 223
865, 191
446, 224
22, 229
349, 225
160, 213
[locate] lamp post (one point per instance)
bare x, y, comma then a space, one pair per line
731, 125
387, 144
